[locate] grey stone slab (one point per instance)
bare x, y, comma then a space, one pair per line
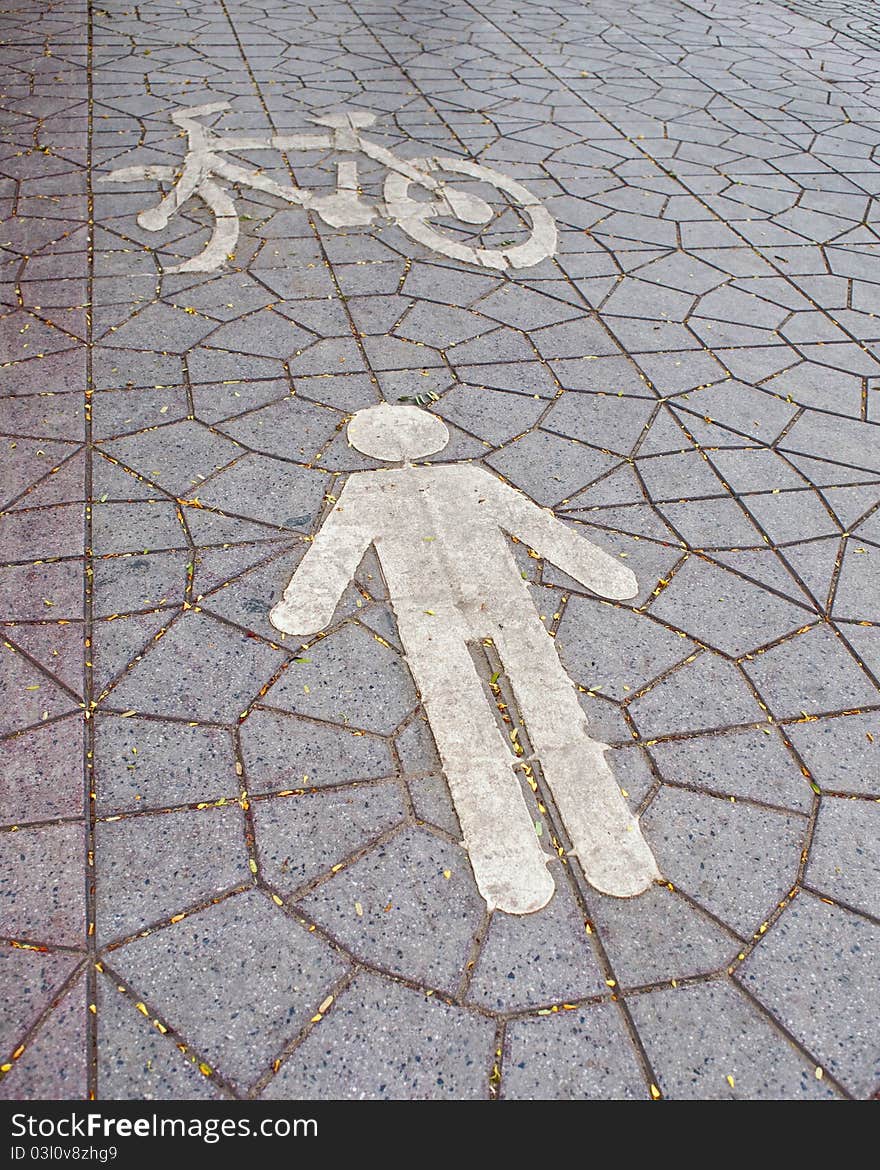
847, 441
30, 981
131, 582
45, 532
715, 524
606, 420
262, 488
607, 648
678, 476
351, 678
705, 693
54, 1066
42, 884
284, 751
290, 429
658, 936
752, 763
520, 377
433, 804
40, 777
788, 679
492, 415
857, 596
179, 675
200, 976
121, 412
216, 401
301, 837
708, 1042
550, 468
792, 515
844, 858
119, 528
535, 960
162, 327
150, 867
136, 1062
817, 971
580, 1055
842, 754
733, 615
178, 457
736, 860
382, 1040
407, 905
149, 763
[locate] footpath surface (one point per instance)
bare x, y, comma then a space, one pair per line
230, 866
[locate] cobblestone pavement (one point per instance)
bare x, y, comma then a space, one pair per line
259, 889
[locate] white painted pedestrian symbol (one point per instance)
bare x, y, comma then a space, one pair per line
439, 532
205, 173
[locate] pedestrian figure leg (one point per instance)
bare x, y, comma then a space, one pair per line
509, 865
605, 836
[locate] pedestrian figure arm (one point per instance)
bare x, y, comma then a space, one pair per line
326, 570
541, 530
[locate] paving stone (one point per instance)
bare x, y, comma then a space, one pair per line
605, 420
137, 1063
714, 251
155, 866
844, 856
707, 692
735, 616
738, 861
54, 1066
816, 970
148, 763
386, 1041
41, 779
790, 687
608, 648
264, 489
407, 903
31, 981
734, 1052
748, 764
199, 975
350, 679
549, 468
178, 457
42, 891
538, 959
153, 686
578, 1055
294, 833
842, 754
136, 582
658, 936
284, 751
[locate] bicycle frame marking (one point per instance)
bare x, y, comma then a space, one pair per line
205, 174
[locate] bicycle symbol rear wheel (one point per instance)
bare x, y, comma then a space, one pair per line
413, 215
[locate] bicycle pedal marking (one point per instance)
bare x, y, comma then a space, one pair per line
206, 175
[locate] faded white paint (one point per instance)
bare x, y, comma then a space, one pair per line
203, 165
439, 533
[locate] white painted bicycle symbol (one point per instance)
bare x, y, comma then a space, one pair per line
204, 173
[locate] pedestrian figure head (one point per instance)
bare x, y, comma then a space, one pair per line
397, 434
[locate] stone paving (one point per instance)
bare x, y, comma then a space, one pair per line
259, 889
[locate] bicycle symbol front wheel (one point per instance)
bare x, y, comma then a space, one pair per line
413, 215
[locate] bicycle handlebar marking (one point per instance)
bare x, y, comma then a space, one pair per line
204, 172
